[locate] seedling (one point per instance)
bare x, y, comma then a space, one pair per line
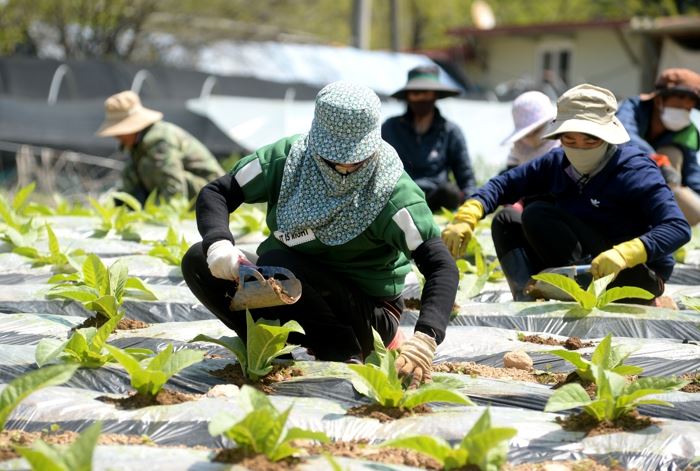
167, 212
614, 398
62, 262
118, 218
267, 340
692, 303
148, 376
86, 347
262, 431
484, 446
75, 457
597, 295
99, 289
379, 381
21, 387
479, 273
16, 229
171, 250
605, 356
249, 219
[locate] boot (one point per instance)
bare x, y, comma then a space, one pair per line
517, 269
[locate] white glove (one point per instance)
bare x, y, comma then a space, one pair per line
224, 259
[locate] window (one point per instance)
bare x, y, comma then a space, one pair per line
555, 66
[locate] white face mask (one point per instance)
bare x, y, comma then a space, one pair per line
585, 160
675, 119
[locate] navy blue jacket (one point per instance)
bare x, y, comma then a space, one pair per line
428, 158
628, 198
635, 116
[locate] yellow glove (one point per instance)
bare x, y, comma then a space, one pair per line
458, 234
625, 255
416, 359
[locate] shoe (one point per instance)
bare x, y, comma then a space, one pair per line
517, 270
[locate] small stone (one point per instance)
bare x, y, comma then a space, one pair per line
518, 359
223, 390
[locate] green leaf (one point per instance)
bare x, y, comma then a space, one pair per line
429, 393
574, 358
48, 350
569, 286
127, 199
623, 292
375, 384
21, 196
42, 457
602, 355
63, 278
597, 287
54, 248
95, 274
118, 273
29, 252
106, 305
21, 387
627, 370
567, 397
265, 340
234, 344
379, 351
140, 378
181, 360
489, 449
78, 456
435, 447
82, 294
133, 283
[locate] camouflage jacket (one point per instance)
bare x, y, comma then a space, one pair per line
168, 159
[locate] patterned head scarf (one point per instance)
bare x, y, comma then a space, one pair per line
313, 195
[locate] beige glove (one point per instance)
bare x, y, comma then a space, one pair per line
458, 234
416, 359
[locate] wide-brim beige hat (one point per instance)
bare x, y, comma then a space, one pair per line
590, 110
124, 114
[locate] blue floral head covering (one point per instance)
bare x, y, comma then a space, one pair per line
314, 196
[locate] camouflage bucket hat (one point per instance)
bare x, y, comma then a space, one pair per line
345, 128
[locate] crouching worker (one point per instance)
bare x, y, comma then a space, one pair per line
345, 219
607, 204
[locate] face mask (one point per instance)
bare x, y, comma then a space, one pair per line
585, 160
675, 119
421, 108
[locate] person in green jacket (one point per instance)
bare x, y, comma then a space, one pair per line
164, 157
346, 219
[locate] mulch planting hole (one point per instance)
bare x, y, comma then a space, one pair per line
386, 414
233, 374
694, 385
583, 422
165, 397
572, 343
475, 369
123, 324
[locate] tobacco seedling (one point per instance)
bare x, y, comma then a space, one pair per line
148, 376
262, 431
378, 380
597, 295
167, 212
86, 347
605, 356
62, 262
479, 273
484, 446
614, 398
249, 219
118, 218
99, 289
16, 229
21, 387
172, 249
267, 340
74, 457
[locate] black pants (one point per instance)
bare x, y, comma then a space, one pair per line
336, 316
553, 238
447, 195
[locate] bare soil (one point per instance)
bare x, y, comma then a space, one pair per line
694, 385
581, 465
165, 397
99, 320
254, 462
475, 369
233, 374
360, 450
572, 343
583, 422
386, 414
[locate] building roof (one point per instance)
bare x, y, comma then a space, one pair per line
539, 28
669, 25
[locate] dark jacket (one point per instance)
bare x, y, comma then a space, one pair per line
429, 157
628, 198
635, 116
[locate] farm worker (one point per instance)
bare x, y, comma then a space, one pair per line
428, 144
659, 123
164, 157
608, 204
345, 219
532, 112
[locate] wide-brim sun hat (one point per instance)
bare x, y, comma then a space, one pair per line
531, 110
426, 78
345, 128
676, 81
590, 110
124, 114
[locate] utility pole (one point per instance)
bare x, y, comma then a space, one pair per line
361, 23
394, 25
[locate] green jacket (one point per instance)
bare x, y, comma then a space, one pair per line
168, 159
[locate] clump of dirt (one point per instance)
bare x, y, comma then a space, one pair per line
475, 369
360, 450
694, 385
583, 422
131, 324
233, 374
165, 397
386, 414
572, 343
99, 320
255, 462
581, 465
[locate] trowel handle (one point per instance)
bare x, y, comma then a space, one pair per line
581, 269
246, 271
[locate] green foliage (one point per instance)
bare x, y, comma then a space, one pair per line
85, 347
62, 262
597, 295
379, 381
75, 457
267, 340
262, 431
15, 228
119, 219
172, 249
614, 398
168, 212
249, 219
605, 356
481, 272
148, 376
99, 289
484, 446
21, 387
692, 303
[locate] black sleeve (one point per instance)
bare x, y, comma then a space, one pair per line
215, 202
441, 279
